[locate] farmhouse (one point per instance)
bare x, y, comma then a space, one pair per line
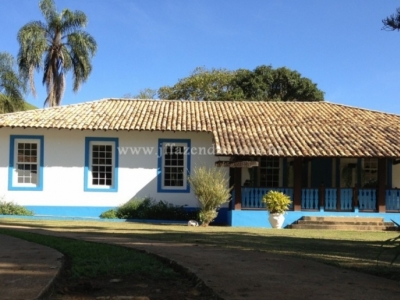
80, 160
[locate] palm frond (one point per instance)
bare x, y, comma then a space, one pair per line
72, 21
12, 86
33, 44
82, 47
6, 104
66, 58
6, 61
48, 9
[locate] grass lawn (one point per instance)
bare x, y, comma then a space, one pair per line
354, 250
91, 260
95, 270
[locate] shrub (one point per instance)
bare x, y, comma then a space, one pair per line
276, 202
133, 209
109, 214
10, 208
148, 208
211, 187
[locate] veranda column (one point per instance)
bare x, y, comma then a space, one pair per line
338, 184
382, 179
238, 188
297, 170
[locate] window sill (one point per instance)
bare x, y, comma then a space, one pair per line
25, 188
163, 190
102, 190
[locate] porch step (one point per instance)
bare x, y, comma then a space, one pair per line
343, 219
344, 223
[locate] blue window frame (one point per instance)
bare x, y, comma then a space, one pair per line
173, 165
101, 164
25, 171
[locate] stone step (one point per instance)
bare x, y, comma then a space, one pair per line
343, 227
343, 219
359, 222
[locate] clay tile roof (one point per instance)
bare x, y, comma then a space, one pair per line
290, 129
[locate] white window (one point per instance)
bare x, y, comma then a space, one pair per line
27, 163
26, 166
174, 165
101, 164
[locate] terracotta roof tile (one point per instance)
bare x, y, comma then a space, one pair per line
241, 128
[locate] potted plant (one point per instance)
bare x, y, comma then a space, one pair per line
277, 204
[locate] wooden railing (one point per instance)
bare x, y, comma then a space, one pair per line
346, 199
331, 199
310, 199
367, 199
393, 200
342, 203
252, 196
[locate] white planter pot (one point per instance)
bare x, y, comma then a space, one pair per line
276, 220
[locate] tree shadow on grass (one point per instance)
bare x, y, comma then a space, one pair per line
355, 254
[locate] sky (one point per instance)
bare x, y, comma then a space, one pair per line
338, 44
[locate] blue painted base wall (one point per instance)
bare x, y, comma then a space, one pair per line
90, 212
222, 218
259, 218
69, 211
236, 218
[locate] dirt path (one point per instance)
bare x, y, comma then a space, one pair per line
26, 269
238, 274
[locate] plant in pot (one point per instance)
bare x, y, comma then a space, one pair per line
277, 204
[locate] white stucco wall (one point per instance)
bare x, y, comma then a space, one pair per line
396, 176
64, 156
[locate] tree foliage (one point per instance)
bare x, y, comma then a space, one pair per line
57, 46
392, 22
202, 84
262, 84
146, 93
11, 86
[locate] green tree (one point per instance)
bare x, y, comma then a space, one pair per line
11, 86
146, 93
392, 22
262, 84
202, 84
58, 45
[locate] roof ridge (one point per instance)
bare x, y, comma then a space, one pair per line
363, 109
53, 107
213, 101
232, 102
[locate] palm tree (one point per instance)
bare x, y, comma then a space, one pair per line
11, 86
392, 22
59, 46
